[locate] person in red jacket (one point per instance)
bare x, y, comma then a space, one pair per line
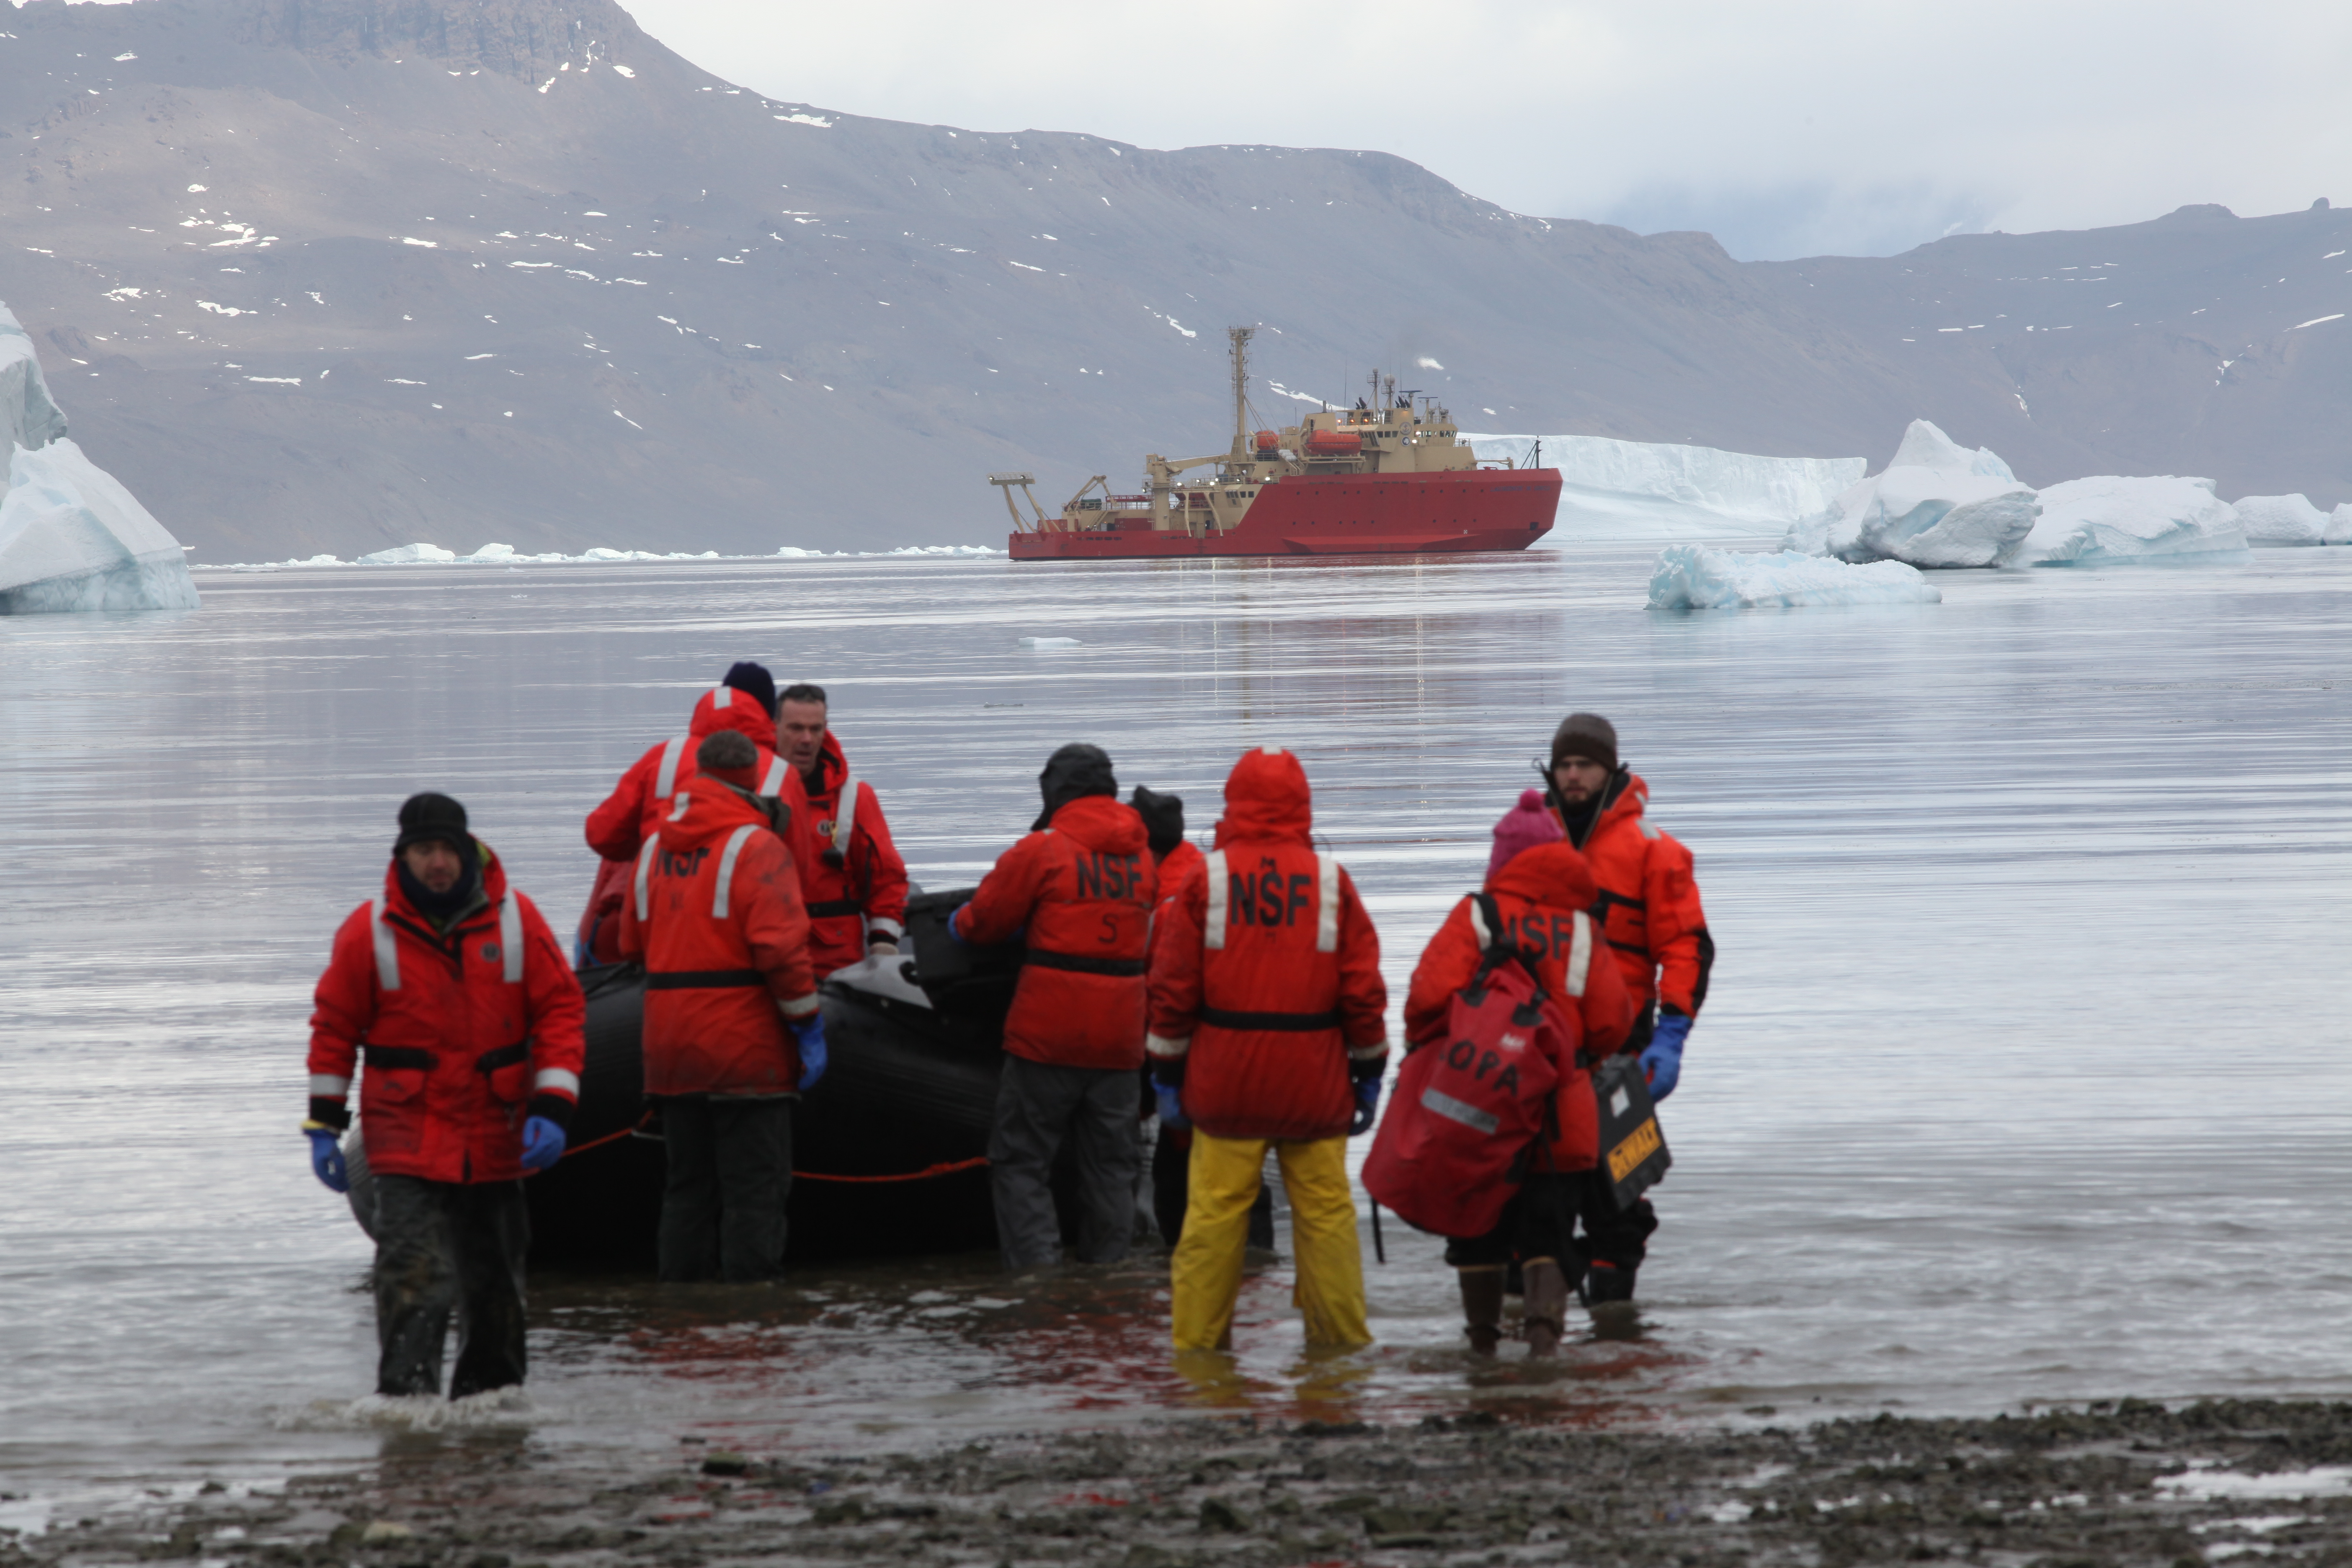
1649, 911
1267, 1029
851, 875
451, 988
1542, 889
745, 702
1081, 886
732, 1034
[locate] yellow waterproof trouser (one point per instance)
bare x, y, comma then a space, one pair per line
1207, 1268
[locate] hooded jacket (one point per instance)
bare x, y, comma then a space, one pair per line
1542, 895
464, 1031
851, 875
617, 828
1647, 903
1265, 977
1084, 887
715, 913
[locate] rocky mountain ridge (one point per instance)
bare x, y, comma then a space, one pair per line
329, 275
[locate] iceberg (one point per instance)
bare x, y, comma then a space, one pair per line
72, 538
1640, 489
2281, 519
1694, 577
2339, 525
30, 416
1937, 504
2109, 518
404, 554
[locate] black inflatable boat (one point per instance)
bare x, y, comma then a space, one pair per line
890, 1149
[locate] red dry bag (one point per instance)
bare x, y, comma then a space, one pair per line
1468, 1113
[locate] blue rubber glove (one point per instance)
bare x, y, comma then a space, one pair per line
327, 1161
1661, 1059
1367, 1105
542, 1143
955, 923
810, 1032
1171, 1105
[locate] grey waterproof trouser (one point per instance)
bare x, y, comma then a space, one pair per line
730, 1169
441, 1246
1037, 1106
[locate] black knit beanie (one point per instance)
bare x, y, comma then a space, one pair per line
1585, 735
754, 682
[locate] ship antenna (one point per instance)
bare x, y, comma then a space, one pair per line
1241, 336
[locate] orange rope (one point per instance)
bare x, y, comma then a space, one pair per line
947, 1170
608, 1138
922, 1175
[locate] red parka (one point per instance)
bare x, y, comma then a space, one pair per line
1265, 978
1084, 887
460, 1031
715, 915
1542, 895
851, 875
1647, 903
617, 829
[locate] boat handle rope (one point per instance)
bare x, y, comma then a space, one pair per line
927, 1173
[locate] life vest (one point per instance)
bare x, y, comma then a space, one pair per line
1646, 900
454, 1032
715, 915
852, 879
1468, 1117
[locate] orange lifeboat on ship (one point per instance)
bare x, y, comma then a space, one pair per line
1334, 444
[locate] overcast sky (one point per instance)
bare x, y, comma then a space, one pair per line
1785, 129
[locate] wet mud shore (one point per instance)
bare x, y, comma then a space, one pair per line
2128, 1483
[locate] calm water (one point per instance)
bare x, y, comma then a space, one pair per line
2024, 1076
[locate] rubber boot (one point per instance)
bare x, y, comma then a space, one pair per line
1605, 1282
1547, 1299
1482, 1307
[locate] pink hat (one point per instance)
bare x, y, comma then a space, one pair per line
1523, 826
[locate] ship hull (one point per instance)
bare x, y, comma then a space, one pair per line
1464, 510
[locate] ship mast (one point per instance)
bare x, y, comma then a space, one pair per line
1241, 336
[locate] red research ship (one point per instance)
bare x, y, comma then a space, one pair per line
1364, 480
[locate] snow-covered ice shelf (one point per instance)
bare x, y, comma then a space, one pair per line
1642, 489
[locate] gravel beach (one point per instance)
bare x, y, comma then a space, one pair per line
2112, 1483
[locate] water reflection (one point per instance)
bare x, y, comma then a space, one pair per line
2021, 1076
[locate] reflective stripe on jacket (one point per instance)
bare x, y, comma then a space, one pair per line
617, 829
456, 1031
1084, 887
851, 875
1267, 971
1647, 903
1542, 895
715, 913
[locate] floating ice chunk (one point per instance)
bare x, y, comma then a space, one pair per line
2281, 519
2321, 1480
1051, 642
1639, 489
1937, 504
493, 552
407, 554
72, 538
30, 416
1694, 577
2113, 518
2339, 526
